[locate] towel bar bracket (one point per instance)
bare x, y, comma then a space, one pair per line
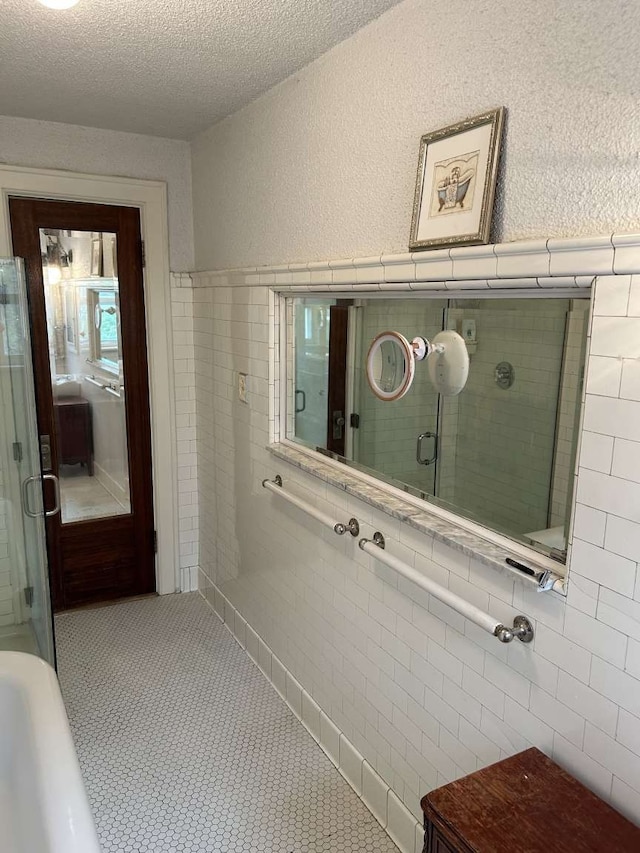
522, 629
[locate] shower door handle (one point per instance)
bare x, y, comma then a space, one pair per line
24, 494
431, 459
26, 505
56, 492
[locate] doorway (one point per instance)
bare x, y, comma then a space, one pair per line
86, 299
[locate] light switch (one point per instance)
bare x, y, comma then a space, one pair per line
243, 384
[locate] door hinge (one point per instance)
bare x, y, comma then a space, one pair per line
155, 541
17, 451
143, 254
28, 596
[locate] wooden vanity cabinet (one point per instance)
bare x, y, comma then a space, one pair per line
75, 437
528, 804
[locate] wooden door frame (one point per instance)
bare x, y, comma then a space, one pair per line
151, 198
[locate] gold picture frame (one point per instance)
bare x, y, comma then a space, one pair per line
456, 182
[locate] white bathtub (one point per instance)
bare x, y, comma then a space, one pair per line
43, 804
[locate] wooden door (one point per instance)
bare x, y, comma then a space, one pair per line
337, 391
86, 301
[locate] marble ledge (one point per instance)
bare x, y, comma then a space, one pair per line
442, 530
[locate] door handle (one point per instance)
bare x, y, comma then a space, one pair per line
304, 401
56, 492
421, 438
24, 494
338, 423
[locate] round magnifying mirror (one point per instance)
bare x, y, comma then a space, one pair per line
390, 366
448, 363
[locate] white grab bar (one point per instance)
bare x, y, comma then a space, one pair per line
522, 628
338, 527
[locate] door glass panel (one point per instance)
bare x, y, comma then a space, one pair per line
312, 320
25, 611
82, 301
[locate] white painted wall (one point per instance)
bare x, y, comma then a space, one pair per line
323, 166
49, 145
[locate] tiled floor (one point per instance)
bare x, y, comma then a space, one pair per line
184, 745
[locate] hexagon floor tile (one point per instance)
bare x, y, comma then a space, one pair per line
184, 745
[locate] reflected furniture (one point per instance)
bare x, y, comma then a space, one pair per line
75, 438
526, 803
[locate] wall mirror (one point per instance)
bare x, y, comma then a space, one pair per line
499, 451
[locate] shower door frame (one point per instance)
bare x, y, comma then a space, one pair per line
151, 198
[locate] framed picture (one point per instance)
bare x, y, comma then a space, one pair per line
96, 257
456, 181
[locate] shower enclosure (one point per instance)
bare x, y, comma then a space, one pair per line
25, 609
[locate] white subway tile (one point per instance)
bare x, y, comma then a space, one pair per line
626, 459
622, 762
589, 524
310, 715
481, 689
612, 296
620, 612
630, 381
559, 650
610, 494
603, 376
529, 726
596, 451
558, 716
615, 337
508, 680
619, 418
603, 567
590, 704
598, 638
585, 769
618, 686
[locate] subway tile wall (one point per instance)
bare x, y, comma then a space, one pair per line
422, 694
184, 378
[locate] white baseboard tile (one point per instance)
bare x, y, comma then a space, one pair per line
381, 801
330, 738
351, 764
374, 793
190, 577
278, 676
401, 825
253, 643
310, 714
294, 695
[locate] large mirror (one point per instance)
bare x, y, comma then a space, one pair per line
500, 453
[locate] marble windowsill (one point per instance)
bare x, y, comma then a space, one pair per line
444, 530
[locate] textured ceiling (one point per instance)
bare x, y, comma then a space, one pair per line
159, 67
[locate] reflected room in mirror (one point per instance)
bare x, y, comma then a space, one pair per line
85, 354
482, 421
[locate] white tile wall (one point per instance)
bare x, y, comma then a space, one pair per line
342, 625
184, 372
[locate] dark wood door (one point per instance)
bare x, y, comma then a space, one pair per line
337, 390
86, 299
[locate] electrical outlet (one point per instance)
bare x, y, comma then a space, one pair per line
243, 387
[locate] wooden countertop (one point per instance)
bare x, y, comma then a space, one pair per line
528, 804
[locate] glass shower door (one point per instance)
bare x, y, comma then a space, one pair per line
26, 623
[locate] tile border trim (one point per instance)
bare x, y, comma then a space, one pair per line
548, 262
338, 749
